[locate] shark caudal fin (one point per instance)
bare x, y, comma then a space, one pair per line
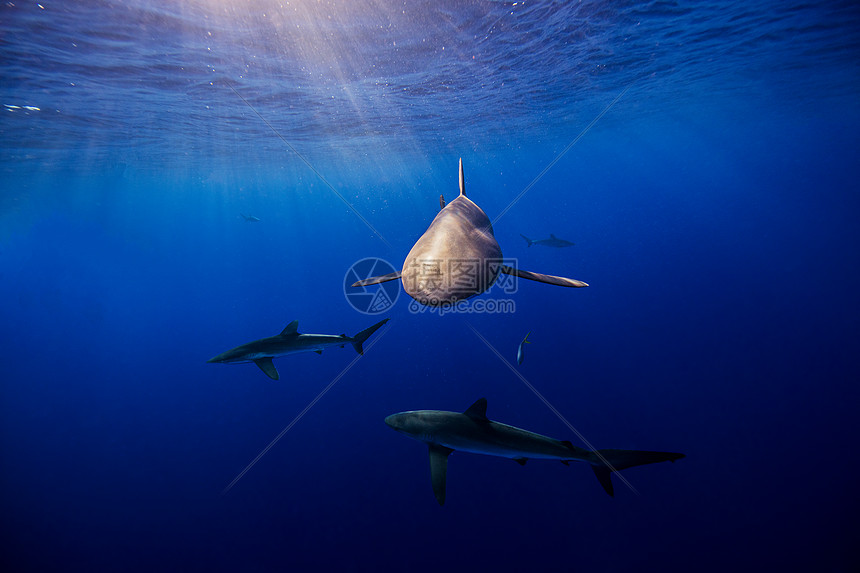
528, 241
623, 459
359, 339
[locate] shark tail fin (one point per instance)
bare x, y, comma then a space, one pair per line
529, 241
359, 339
623, 459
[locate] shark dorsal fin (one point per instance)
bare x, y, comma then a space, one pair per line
462, 180
551, 236
292, 328
478, 411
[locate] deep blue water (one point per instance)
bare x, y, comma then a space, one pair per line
714, 207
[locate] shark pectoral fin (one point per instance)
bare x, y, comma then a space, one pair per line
548, 279
438, 470
320, 351
521, 461
604, 476
267, 367
377, 280
292, 328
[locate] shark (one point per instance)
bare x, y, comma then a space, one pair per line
457, 257
290, 341
250, 218
471, 431
553, 241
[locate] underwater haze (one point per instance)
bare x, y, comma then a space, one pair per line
180, 178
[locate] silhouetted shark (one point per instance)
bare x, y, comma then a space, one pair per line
289, 341
472, 431
553, 241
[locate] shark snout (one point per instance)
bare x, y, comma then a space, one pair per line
398, 422
223, 357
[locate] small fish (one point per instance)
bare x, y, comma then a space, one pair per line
520, 349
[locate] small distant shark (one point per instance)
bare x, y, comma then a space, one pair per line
471, 431
250, 218
261, 352
520, 353
553, 241
457, 257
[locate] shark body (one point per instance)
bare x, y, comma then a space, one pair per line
553, 241
290, 341
457, 257
471, 431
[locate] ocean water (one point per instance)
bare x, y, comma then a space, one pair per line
703, 156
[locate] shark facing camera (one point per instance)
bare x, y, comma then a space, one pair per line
461, 231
